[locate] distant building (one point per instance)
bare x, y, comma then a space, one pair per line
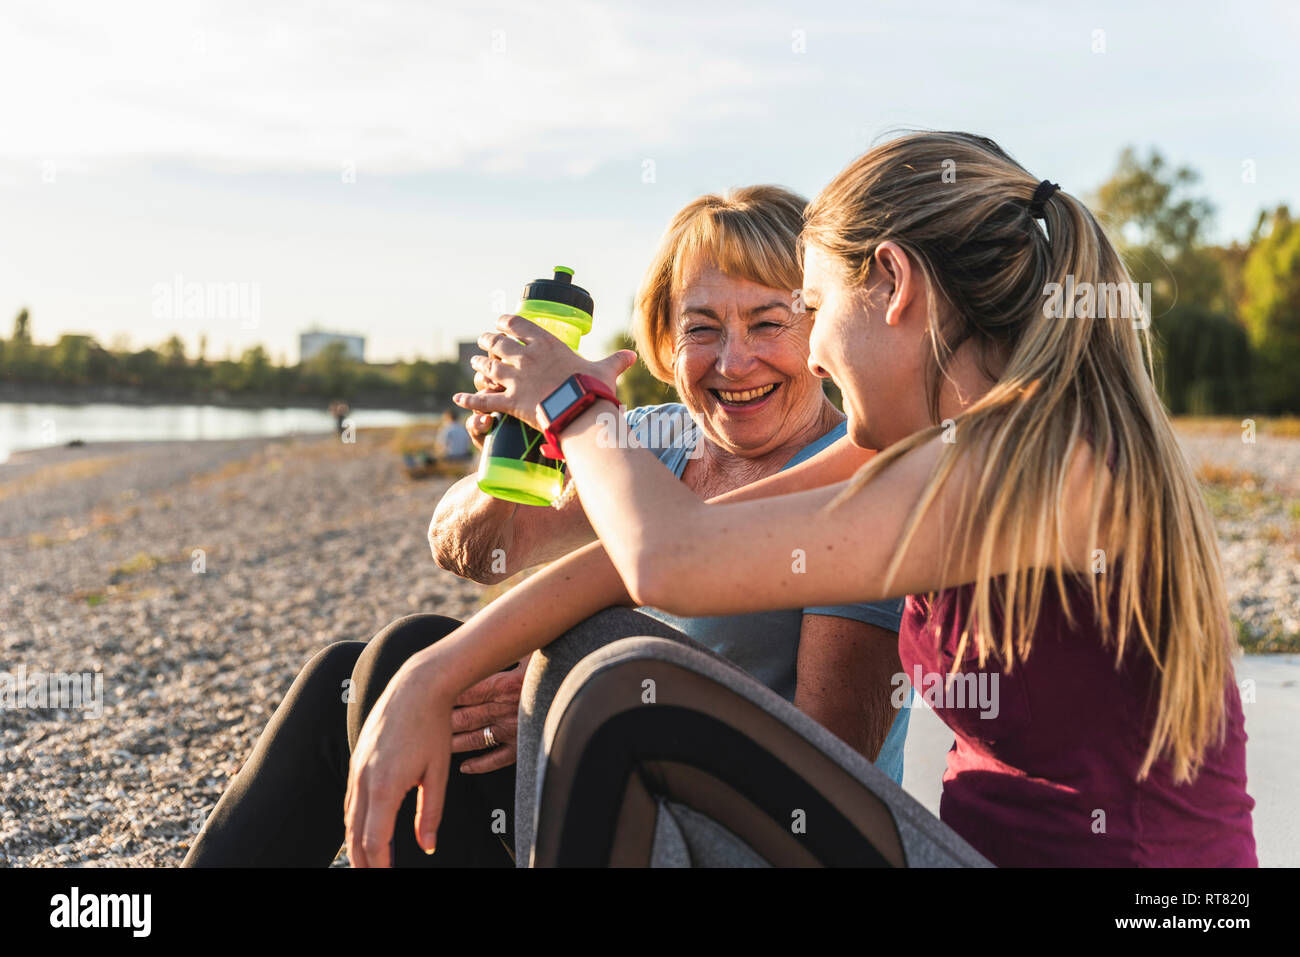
311, 344
463, 351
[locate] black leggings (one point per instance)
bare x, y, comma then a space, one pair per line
285, 807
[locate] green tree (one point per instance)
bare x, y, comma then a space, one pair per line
226, 375
175, 366
19, 353
255, 373
143, 368
70, 359
1151, 211
417, 378
1147, 207
451, 377
1207, 364
1148, 201
1270, 309
331, 372
22, 328
173, 353
638, 386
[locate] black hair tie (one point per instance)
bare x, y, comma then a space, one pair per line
1041, 195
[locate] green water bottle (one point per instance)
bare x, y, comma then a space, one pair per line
513, 466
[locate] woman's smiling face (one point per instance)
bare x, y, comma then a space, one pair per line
740, 361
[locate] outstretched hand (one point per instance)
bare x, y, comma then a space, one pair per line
527, 364
405, 743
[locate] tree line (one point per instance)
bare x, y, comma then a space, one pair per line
1226, 321
76, 360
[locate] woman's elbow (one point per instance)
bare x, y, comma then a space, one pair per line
644, 588
656, 583
640, 574
463, 557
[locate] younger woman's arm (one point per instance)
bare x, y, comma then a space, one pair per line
406, 739
789, 551
679, 554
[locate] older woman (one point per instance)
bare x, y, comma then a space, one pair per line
717, 318
714, 317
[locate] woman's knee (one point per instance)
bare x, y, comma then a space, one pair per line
385, 653
327, 675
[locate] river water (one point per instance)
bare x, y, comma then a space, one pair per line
31, 426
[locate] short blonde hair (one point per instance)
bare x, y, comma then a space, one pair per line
751, 233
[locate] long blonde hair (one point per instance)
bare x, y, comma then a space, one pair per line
960, 207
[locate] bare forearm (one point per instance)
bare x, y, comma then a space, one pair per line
846, 680
835, 463
529, 616
863, 725
487, 540
639, 514
571, 590
469, 530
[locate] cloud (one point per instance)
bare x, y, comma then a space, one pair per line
390, 87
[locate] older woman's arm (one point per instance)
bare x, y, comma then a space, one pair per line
846, 679
488, 540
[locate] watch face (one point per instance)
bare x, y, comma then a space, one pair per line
560, 399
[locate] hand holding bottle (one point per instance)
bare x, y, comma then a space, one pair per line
514, 465
528, 364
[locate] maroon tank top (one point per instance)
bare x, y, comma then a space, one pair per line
1050, 779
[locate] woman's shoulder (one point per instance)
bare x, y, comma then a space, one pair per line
836, 432
666, 429
667, 417
661, 410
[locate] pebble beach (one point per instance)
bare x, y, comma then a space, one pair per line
198, 577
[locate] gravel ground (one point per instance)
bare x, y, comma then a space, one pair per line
1254, 492
304, 542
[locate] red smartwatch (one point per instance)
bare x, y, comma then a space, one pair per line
574, 396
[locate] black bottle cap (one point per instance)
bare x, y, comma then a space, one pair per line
562, 290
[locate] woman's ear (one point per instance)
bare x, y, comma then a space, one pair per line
898, 265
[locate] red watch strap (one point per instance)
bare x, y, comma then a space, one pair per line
550, 451
596, 387
592, 389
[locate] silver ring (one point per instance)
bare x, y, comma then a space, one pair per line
488, 738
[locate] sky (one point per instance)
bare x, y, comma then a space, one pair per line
400, 169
